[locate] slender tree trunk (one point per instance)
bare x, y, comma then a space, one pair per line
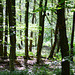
43, 18
1, 28
12, 29
35, 32
63, 38
6, 30
14, 24
41, 31
26, 29
20, 22
58, 45
53, 46
33, 21
72, 36
40, 34
30, 48
51, 22
35, 39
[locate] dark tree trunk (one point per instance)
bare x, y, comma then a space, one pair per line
30, 48
72, 36
1, 28
6, 30
35, 39
51, 22
41, 31
58, 42
58, 45
63, 38
12, 29
26, 28
40, 34
33, 21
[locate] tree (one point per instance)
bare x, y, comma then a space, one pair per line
33, 22
63, 37
30, 48
26, 28
54, 45
51, 21
72, 36
58, 45
41, 30
20, 22
12, 30
1, 28
6, 30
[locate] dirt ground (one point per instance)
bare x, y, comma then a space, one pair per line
20, 63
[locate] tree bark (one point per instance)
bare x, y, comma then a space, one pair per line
63, 37
26, 29
58, 45
6, 31
20, 23
12, 30
33, 22
41, 31
1, 28
54, 45
40, 34
72, 36
30, 48
51, 22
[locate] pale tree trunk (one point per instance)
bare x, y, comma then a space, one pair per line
20, 23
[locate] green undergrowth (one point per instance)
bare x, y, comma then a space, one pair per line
36, 70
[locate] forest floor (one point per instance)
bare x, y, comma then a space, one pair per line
31, 64
20, 64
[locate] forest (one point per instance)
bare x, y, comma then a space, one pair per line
37, 37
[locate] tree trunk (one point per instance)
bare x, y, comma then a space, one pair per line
51, 22
35, 39
6, 30
30, 48
58, 45
72, 36
33, 21
20, 23
12, 29
40, 34
53, 46
26, 29
63, 38
41, 31
1, 28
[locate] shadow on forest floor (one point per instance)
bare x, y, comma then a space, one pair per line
19, 63
45, 64
50, 65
